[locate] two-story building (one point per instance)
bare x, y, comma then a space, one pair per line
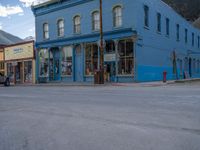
143, 39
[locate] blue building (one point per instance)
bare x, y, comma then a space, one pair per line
143, 39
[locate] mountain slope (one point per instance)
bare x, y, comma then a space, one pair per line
189, 9
7, 38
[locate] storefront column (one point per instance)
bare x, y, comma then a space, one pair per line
73, 62
83, 47
116, 58
98, 57
49, 51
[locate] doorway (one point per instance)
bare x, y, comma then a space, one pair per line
78, 64
54, 66
110, 72
19, 73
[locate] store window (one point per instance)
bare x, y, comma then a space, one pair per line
91, 59
125, 54
77, 24
46, 31
117, 16
60, 27
66, 61
43, 62
28, 71
10, 71
110, 47
95, 21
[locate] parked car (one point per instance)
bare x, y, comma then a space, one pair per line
4, 80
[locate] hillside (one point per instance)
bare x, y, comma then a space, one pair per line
7, 38
189, 9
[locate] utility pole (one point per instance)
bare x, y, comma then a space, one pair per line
101, 74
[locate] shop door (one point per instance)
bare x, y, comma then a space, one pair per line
78, 64
110, 72
56, 66
19, 73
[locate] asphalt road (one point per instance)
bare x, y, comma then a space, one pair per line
100, 118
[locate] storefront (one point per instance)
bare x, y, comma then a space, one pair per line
20, 63
78, 62
2, 60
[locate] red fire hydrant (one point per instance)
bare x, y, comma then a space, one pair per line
165, 76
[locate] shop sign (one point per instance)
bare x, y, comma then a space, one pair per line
19, 52
109, 57
14, 63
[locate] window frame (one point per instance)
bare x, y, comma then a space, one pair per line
77, 26
59, 28
45, 31
146, 16
158, 15
117, 17
167, 26
177, 32
95, 21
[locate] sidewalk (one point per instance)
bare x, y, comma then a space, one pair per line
91, 84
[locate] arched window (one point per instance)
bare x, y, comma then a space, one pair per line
45, 30
60, 25
77, 24
117, 16
95, 21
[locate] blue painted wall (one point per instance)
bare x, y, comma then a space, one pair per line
153, 50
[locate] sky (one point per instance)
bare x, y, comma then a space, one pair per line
17, 18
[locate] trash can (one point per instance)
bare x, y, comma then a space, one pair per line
164, 76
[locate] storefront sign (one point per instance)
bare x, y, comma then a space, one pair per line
19, 52
109, 57
14, 63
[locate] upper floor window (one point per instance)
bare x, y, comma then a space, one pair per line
77, 24
167, 26
45, 30
95, 21
177, 32
61, 27
146, 16
117, 16
186, 35
158, 22
192, 39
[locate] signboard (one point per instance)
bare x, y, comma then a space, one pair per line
109, 57
19, 52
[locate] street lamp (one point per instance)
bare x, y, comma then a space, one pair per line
101, 74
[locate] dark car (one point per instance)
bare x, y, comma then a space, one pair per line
4, 80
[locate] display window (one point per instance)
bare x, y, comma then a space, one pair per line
43, 62
28, 75
10, 71
125, 57
66, 64
91, 59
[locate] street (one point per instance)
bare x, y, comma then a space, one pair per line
100, 117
